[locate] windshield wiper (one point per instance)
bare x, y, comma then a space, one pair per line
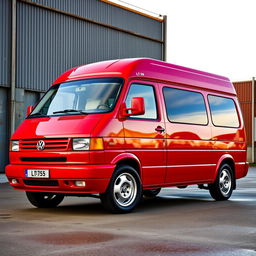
38, 114
69, 110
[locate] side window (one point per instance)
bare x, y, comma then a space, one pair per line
223, 111
184, 106
147, 92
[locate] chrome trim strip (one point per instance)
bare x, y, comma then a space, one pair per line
168, 149
211, 150
184, 165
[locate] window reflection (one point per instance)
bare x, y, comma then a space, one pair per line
147, 92
96, 95
223, 111
185, 106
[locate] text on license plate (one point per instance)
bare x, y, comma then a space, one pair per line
37, 173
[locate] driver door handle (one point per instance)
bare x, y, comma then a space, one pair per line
160, 129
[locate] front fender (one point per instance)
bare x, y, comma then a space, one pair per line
125, 156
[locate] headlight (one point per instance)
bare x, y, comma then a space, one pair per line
14, 145
81, 144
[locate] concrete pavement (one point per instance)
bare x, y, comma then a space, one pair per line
178, 222
3, 178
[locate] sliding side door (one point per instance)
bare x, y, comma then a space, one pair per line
189, 145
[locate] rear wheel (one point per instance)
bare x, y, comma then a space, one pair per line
151, 192
223, 186
44, 200
124, 190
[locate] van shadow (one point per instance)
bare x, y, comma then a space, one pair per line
173, 202
79, 209
95, 208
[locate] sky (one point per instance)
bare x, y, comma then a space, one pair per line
216, 36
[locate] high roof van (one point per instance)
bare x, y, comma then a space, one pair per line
123, 129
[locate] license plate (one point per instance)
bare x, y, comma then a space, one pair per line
37, 173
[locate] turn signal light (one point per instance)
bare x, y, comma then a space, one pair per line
96, 144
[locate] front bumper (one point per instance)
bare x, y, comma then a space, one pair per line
62, 178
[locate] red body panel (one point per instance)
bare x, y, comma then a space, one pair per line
182, 155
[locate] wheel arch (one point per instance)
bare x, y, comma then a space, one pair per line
129, 159
226, 159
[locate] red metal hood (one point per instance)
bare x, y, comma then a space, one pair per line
54, 127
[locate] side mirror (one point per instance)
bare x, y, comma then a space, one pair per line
29, 110
137, 107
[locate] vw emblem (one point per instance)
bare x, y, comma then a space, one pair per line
40, 145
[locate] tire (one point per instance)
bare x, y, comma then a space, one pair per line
224, 184
44, 200
151, 193
124, 190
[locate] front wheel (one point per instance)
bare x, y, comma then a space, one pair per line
124, 190
223, 186
44, 200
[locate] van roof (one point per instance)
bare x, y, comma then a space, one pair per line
149, 69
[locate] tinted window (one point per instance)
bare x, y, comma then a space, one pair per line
185, 106
223, 111
147, 92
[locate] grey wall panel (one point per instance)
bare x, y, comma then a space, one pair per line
23, 100
50, 43
5, 41
109, 14
3, 129
31, 98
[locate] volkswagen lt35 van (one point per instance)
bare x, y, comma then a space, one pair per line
122, 129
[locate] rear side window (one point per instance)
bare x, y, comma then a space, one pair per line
184, 106
223, 111
147, 92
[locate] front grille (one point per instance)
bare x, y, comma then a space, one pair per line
51, 144
43, 159
41, 183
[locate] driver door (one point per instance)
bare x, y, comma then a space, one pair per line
145, 134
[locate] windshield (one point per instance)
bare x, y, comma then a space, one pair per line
88, 96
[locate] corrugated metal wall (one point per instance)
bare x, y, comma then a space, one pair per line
5, 42
244, 93
108, 14
51, 42
53, 36
5, 57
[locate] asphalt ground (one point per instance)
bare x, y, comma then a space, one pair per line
177, 222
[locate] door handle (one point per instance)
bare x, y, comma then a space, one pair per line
160, 129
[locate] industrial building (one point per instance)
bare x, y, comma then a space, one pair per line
40, 39
246, 96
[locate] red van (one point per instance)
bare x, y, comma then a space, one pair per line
126, 128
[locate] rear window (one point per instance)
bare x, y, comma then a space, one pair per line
184, 106
223, 111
